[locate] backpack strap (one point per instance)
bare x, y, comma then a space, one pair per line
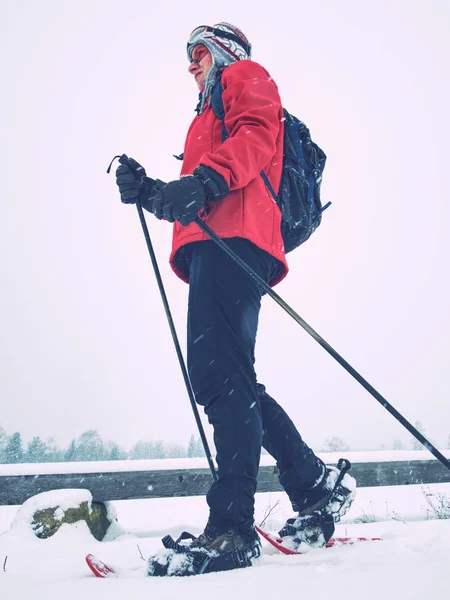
219, 112
217, 106
269, 186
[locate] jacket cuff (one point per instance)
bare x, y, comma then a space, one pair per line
215, 185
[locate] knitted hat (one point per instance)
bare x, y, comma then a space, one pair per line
226, 43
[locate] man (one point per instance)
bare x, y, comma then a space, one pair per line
220, 182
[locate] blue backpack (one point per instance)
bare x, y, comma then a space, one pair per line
303, 163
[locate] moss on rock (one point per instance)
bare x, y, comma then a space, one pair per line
46, 522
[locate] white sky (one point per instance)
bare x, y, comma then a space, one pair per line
84, 340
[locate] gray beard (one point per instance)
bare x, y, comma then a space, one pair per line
210, 80
221, 59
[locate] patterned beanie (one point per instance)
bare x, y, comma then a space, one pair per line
227, 45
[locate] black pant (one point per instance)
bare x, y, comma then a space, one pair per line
224, 304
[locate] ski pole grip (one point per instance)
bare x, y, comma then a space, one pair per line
125, 161
135, 168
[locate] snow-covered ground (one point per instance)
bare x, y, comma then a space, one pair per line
410, 563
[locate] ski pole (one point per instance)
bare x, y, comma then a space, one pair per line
394, 412
124, 160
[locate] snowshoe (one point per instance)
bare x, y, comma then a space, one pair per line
205, 554
315, 525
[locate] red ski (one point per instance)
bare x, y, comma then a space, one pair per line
277, 542
99, 568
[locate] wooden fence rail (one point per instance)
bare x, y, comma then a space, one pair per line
106, 483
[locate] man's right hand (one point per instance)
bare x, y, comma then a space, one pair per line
132, 182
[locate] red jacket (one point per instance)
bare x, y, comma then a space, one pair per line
253, 119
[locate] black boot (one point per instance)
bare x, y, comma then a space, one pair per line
314, 525
208, 553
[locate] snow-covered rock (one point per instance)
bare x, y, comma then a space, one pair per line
45, 513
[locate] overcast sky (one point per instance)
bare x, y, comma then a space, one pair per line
84, 340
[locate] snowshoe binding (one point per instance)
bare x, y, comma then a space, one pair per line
314, 525
205, 554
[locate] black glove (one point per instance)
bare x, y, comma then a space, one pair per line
180, 200
132, 182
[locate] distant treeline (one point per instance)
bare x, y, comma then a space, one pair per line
89, 446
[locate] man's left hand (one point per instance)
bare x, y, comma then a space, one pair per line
178, 200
